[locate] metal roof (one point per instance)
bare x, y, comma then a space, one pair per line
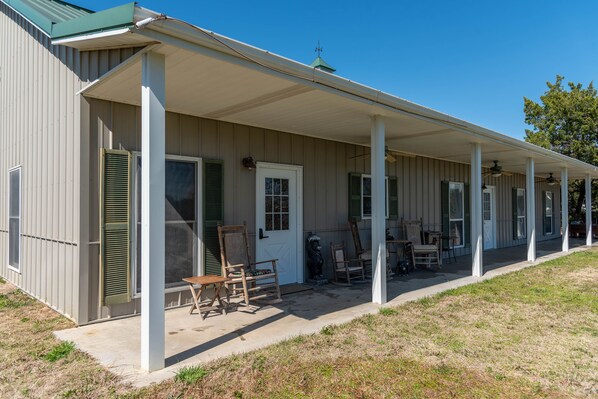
59, 19
46, 13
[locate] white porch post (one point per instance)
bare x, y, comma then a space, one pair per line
530, 209
152, 210
589, 210
378, 212
565, 208
476, 210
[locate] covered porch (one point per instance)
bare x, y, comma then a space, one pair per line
188, 71
191, 340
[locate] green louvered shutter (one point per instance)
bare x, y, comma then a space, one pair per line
444, 208
355, 196
115, 213
393, 198
514, 205
467, 221
213, 214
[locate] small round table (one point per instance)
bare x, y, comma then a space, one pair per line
204, 282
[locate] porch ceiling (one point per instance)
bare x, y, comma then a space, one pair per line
201, 84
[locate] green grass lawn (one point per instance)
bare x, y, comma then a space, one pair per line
532, 333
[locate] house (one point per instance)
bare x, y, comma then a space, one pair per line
122, 139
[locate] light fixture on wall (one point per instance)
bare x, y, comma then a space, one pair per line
248, 163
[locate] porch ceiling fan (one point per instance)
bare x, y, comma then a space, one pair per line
495, 171
550, 180
388, 155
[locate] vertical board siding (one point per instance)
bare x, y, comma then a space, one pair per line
326, 167
40, 130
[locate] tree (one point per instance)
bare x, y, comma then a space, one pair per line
566, 121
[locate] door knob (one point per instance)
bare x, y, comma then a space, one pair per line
261, 234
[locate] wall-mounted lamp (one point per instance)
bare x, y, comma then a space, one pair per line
248, 163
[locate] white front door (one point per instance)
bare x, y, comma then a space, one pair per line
488, 214
279, 219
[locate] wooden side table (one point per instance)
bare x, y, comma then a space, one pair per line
205, 282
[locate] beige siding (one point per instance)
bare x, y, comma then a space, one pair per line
326, 167
40, 130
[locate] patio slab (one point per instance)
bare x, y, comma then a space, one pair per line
191, 340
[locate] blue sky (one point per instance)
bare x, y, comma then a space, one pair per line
475, 60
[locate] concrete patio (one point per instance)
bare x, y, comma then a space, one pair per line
191, 340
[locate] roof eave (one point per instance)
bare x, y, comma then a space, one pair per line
102, 21
383, 101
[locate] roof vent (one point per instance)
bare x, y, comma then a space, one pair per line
319, 62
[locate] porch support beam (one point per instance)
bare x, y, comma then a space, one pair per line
565, 208
153, 156
378, 212
530, 209
476, 210
589, 231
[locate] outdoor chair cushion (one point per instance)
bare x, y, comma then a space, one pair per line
251, 272
427, 247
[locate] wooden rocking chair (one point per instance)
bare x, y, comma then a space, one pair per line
255, 283
421, 254
344, 268
365, 255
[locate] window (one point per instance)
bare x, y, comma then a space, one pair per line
457, 214
366, 197
519, 213
14, 218
548, 212
181, 213
277, 204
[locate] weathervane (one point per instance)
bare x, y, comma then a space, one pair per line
319, 49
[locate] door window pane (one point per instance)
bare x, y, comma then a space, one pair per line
487, 205
276, 197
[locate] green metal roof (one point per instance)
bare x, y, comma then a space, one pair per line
45, 13
321, 64
59, 19
112, 18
